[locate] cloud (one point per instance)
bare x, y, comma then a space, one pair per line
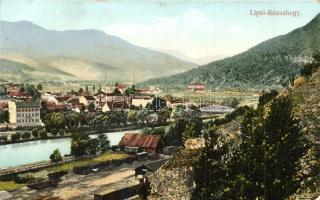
188, 21
164, 25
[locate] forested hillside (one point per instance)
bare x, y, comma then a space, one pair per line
269, 64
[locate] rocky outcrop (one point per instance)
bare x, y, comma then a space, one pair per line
176, 183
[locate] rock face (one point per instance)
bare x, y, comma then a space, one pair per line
171, 184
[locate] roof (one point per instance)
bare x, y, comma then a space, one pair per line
153, 165
25, 104
140, 140
63, 98
90, 98
100, 93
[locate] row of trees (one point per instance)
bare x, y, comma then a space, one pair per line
264, 166
55, 121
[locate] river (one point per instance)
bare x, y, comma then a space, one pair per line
35, 151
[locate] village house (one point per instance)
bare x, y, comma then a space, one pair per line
149, 90
198, 87
75, 105
121, 87
100, 97
137, 142
49, 98
141, 101
22, 113
87, 100
108, 106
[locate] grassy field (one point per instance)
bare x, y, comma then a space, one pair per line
9, 185
101, 158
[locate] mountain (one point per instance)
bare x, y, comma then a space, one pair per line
199, 61
269, 64
81, 54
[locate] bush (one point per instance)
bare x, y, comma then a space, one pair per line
54, 132
24, 179
61, 132
56, 156
114, 148
15, 136
35, 133
43, 134
26, 135
3, 138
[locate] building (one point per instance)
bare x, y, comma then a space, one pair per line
23, 113
196, 86
144, 142
141, 101
87, 100
149, 168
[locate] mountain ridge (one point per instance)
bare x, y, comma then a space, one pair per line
269, 64
92, 49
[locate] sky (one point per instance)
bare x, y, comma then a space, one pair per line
196, 28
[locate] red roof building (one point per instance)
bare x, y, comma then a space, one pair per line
147, 143
197, 86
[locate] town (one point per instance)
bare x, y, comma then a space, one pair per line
151, 129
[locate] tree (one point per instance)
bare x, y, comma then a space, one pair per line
116, 91
4, 116
132, 116
79, 143
55, 120
163, 115
93, 146
3, 138
35, 133
231, 102
266, 97
26, 135
266, 165
39, 87
104, 142
130, 90
80, 90
285, 146
91, 107
210, 173
157, 104
56, 156
43, 134
72, 120
15, 137
189, 132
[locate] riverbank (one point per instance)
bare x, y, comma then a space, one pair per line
68, 135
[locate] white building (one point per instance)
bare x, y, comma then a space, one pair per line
24, 113
141, 101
